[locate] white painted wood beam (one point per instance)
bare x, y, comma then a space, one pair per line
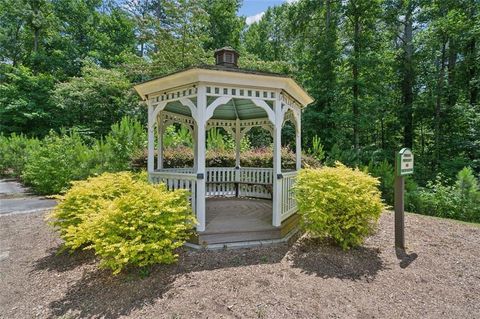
262, 104
160, 107
151, 139
188, 103
201, 150
218, 101
160, 131
277, 163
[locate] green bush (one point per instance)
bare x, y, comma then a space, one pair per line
385, 172
14, 153
126, 139
124, 219
317, 150
339, 203
60, 160
440, 198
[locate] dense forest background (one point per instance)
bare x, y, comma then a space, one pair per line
384, 73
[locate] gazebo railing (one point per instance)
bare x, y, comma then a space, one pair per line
174, 180
289, 204
229, 181
220, 181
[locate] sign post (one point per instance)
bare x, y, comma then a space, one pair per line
403, 166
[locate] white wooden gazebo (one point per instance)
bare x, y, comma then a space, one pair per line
222, 95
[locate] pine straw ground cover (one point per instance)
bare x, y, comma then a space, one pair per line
302, 281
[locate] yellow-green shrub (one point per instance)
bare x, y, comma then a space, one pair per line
124, 219
339, 203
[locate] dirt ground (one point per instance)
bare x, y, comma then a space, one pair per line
439, 277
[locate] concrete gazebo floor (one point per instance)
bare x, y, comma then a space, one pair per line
242, 222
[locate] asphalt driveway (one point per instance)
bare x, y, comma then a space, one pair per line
16, 199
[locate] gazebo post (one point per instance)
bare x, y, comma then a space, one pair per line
195, 148
298, 144
151, 139
277, 162
160, 131
200, 160
238, 138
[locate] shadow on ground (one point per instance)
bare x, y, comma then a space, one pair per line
60, 260
322, 259
99, 294
405, 259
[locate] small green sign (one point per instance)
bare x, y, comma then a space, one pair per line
404, 162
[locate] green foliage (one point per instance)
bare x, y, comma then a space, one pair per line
96, 100
124, 219
177, 136
255, 157
317, 149
14, 153
50, 165
224, 26
458, 201
467, 184
126, 139
267, 38
25, 105
215, 140
60, 160
338, 203
385, 172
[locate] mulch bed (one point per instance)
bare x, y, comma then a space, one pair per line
438, 277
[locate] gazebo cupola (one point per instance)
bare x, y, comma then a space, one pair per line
226, 56
223, 95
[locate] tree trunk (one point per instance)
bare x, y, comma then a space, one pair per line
471, 54
328, 14
438, 103
452, 61
36, 35
472, 72
355, 87
408, 78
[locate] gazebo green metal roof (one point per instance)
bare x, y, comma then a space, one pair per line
242, 109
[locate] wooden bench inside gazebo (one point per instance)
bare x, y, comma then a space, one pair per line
253, 205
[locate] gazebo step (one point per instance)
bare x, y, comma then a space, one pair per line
240, 236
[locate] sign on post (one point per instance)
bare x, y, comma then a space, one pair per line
404, 162
403, 166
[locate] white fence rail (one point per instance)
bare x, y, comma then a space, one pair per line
177, 181
256, 182
289, 204
220, 181
229, 181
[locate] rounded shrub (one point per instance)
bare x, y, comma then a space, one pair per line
15, 151
339, 203
60, 159
124, 219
